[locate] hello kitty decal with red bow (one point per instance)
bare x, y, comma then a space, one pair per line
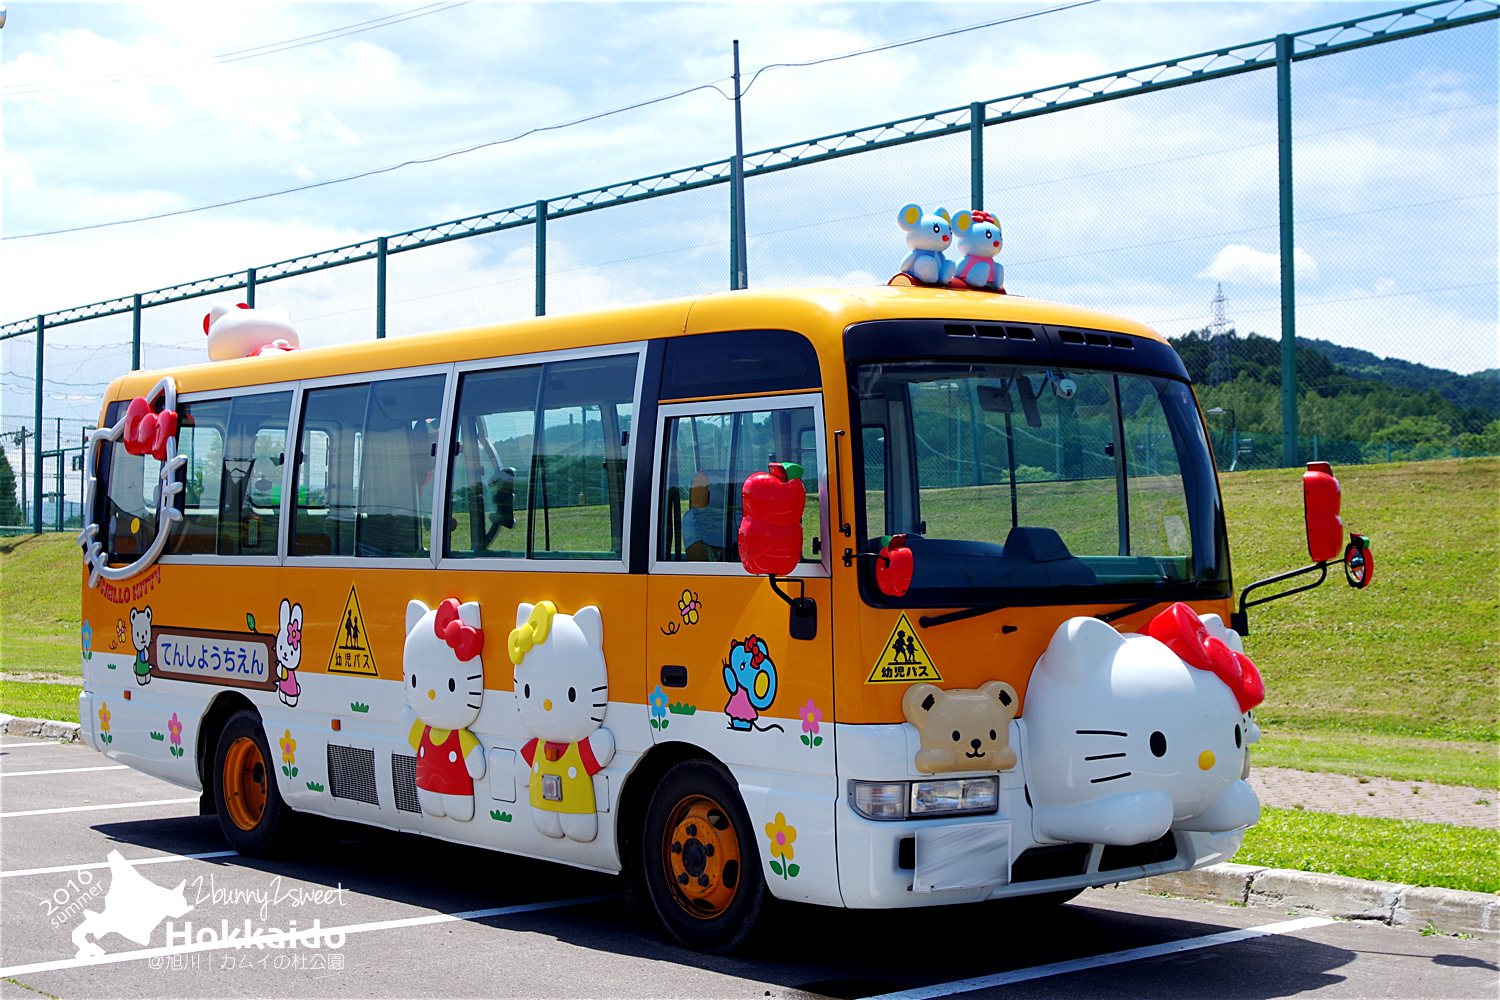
1181, 630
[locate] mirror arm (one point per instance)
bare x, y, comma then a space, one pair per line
1240, 620
802, 620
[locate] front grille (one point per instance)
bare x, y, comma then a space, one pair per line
1163, 848
1053, 861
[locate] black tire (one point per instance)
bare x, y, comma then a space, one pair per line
258, 824
719, 914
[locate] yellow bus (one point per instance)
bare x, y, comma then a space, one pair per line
486, 586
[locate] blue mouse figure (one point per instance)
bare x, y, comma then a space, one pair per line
750, 677
928, 234
978, 236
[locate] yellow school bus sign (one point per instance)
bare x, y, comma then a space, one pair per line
904, 659
351, 645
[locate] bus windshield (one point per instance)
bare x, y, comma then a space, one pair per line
1026, 484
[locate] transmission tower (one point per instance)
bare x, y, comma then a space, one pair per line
1218, 366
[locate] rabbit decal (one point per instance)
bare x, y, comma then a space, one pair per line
289, 653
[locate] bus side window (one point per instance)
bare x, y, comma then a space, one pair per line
200, 438
254, 444
578, 493
707, 460
489, 494
365, 467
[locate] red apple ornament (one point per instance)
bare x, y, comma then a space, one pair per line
771, 528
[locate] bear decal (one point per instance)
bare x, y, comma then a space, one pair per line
963, 729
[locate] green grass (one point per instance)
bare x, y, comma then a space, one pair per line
39, 600
1452, 857
1413, 657
1449, 762
39, 701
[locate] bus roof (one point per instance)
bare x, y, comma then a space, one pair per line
821, 314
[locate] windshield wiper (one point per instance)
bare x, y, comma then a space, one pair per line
1165, 593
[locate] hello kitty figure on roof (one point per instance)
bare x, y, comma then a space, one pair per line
444, 683
928, 235
1130, 736
239, 331
978, 236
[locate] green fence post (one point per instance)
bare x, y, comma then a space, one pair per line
250, 287
541, 258
36, 443
1288, 283
135, 332
380, 289
976, 156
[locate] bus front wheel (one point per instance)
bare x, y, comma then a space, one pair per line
700, 861
251, 813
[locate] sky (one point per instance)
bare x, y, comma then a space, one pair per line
1143, 206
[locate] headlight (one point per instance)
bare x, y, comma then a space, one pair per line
895, 800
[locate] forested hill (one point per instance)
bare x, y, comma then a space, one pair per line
1348, 393
1481, 389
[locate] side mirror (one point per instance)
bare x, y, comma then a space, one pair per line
1359, 562
1321, 496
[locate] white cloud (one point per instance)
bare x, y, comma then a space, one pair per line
1242, 265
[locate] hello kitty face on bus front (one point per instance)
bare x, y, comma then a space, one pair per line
1126, 740
444, 679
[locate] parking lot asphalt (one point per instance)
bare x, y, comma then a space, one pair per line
355, 911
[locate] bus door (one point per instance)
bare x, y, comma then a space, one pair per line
724, 670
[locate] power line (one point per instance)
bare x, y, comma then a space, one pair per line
712, 85
229, 57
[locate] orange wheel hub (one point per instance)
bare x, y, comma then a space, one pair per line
245, 783
701, 854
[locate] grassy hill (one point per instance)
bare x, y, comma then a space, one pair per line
1398, 680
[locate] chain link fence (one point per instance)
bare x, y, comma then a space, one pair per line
1158, 186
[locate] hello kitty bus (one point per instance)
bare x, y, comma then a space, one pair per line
887, 597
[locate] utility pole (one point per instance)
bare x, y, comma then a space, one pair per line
21, 436
738, 276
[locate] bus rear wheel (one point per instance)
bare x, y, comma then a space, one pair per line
700, 862
251, 813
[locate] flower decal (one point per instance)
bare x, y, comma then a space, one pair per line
688, 606
289, 755
294, 634
88, 640
658, 699
811, 715
174, 732
782, 835
104, 734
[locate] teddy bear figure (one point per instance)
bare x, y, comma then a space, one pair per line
562, 691
928, 235
963, 729
444, 684
978, 236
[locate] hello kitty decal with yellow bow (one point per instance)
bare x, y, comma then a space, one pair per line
562, 690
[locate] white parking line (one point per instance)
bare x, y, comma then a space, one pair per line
274, 940
105, 864
46, 743
108, 805
66, 770
1101, 961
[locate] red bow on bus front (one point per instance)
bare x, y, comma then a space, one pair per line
146, 433
1181, 630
